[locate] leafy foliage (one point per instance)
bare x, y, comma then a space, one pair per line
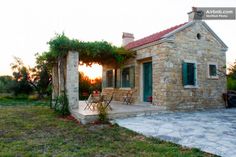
102, 114
232, 70
231, 83
21, 76
62, 105
231, 77
86, 85
26, 79
5, 84
100, 52
40, 78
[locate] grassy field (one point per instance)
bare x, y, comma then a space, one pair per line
33, 129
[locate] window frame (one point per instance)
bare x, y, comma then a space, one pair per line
196, 74
112, 86
208, 70
127, 67
121, 77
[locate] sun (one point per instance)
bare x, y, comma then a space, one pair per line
95, 71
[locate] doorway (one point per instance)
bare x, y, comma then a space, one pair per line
147, 81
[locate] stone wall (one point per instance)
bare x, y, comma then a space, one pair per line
120, 92
155, 54
187, 46
167, 58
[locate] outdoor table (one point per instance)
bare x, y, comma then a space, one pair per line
96, 100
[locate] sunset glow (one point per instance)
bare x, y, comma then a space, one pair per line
92, 72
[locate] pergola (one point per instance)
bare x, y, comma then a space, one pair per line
66, 54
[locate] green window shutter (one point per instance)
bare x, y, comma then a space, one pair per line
125, 74
185, 73
104, 77
118, 81
195, 74
113, 78
109, 78
132, 76
104, 85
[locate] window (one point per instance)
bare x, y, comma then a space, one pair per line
127, 77
212, 70
189, 74
109, 78
198, 36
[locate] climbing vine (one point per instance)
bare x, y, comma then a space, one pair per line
100, 52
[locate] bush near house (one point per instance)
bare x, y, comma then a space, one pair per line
231, 83
231, 77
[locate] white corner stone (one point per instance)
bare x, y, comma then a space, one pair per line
72, 79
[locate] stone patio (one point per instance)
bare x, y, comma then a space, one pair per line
212, 131
119, 110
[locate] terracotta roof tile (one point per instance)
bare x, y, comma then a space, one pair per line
154, 37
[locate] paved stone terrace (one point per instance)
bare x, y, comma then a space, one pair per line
212, 131
119, 110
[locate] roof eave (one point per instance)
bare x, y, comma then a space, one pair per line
179, 29
225, 47
167, 37
170, 40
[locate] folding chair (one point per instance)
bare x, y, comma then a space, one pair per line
128, 98
107, 101
88, 102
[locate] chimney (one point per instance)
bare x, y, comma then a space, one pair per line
195, 14
127, 38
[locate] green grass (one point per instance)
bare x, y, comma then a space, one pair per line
35, 130
22, 101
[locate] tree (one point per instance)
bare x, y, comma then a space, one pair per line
27, 79
231, 78
41, 78
84, 86
87, 85
20, 78
5, 84
232, 70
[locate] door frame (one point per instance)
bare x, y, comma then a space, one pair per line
141, 80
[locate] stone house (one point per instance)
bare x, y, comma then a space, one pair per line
178, 68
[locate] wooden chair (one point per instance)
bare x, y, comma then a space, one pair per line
128, 98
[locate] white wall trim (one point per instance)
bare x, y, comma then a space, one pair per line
125, 88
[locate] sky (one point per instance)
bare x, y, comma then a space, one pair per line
27, 25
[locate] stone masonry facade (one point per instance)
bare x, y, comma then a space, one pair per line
167, 58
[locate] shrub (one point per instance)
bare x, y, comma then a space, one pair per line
102, 114
62, 105
231, 83
21, 96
